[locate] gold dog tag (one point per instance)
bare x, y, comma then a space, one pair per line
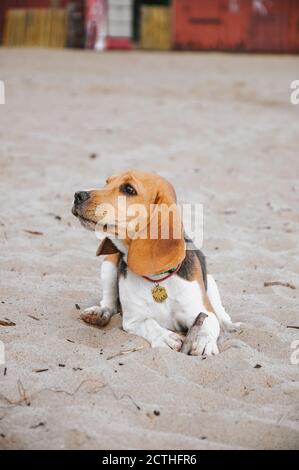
159, 293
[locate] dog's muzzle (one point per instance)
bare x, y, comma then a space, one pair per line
79, 198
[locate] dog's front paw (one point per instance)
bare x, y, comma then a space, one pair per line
168, 339
204, 345
232, 327
96, 315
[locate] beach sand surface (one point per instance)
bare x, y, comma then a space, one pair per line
222, 129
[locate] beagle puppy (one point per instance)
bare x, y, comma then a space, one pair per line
157, 284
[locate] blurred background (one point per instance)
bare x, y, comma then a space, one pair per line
224, 25
221, 126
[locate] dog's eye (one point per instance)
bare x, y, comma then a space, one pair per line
128, 189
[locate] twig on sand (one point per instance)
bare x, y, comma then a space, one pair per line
34, 426
34, 318
24, 398
125, 395
278, 283
7, 322
193, 333
294, 327
22, 392
132, 400
57, 217
33, 232
126, 351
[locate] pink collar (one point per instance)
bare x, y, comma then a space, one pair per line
165, 277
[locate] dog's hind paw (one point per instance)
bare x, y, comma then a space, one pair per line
99, 316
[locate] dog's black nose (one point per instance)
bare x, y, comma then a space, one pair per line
81, 196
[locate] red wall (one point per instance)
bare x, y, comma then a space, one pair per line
216, 25
236, 25
293, 35
269, 31
209, 24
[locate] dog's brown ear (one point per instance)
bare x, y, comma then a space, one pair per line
160, 246
106, 247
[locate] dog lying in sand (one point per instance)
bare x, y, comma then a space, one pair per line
157, 284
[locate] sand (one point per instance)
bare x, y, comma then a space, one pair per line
221, 128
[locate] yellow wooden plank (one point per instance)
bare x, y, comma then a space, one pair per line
47, 32
42, 42
61, 38
155, 28
46, 27
35, 27
40, 25
58, 27
52, 28
10, 19
6, 30
21, 27
39, 38
29, 25
14, 27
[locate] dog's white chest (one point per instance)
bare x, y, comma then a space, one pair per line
184, 301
